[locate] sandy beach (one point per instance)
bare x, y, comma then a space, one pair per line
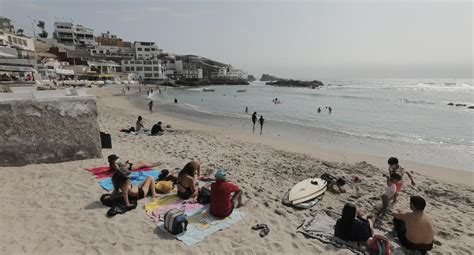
55, 208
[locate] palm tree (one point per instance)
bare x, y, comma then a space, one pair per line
19, 32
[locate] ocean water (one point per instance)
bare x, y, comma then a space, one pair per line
409, 112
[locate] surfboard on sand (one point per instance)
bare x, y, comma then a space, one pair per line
306, 190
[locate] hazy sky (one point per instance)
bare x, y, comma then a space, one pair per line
295, 39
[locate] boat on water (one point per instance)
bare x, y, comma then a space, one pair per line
241, 90
208, 90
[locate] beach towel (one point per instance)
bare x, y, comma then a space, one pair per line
104, 171
135, 177
156, 209
321, 226
201, 224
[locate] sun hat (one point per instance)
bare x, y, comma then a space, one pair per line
220, 174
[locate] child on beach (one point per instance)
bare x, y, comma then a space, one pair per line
390, 191
394, 167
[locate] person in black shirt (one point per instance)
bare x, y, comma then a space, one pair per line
157, 129
352, 228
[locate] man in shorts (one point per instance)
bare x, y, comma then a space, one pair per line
415, 229
222, 204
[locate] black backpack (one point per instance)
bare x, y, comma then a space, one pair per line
204, 196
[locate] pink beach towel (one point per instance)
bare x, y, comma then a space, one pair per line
104, 171
186, 207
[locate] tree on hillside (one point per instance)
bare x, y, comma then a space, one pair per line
40, 24
43, 34
19, 31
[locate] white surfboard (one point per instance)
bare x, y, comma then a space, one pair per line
307, 190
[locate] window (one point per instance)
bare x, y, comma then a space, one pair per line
147, 62
132, 68
50, 67
94, 51
139, 68
155, 68
15, 40
1, 42
148, 68
153, 49
10, 39
139, 49
147, 49
155, 62
127, 69
148, 75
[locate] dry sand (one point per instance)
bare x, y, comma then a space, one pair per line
54, 208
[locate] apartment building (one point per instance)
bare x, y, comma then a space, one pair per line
67, 33
145, 69
146, 50
6, 25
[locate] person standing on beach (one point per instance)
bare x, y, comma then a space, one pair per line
261, 120
246, 109
150, 106
394, 167
254, 120
329, 109
319, 109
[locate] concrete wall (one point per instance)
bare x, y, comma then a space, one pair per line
48, 130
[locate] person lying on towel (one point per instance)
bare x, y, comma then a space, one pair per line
115, 163
222, 204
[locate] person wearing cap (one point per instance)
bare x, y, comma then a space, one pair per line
222, 204
394, 167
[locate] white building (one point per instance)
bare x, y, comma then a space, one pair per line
24, 45
146, 50
107, 51
6, 25
228, 72
145, 69
67, 33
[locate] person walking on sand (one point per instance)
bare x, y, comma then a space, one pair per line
261, 120
319, 109
246, 109
150, 106
329, 109
254, 120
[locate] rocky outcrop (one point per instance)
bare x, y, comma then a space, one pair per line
296, 83
48, 130
267, 77
205, 82
251, 78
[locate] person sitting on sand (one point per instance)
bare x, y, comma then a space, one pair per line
121, 182
352, 228
390, 191
186, 181
222, 204
415, 230
157, 129
394, 167
139, 125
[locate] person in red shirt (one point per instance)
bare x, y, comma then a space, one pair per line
222, 204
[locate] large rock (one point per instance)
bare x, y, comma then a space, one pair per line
268, 77
48, 130
251, 78
296, 83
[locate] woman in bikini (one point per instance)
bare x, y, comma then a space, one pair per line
121, 182
185, 182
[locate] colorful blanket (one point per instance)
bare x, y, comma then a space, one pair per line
202, 224
104, 171
159, 207
136, 178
